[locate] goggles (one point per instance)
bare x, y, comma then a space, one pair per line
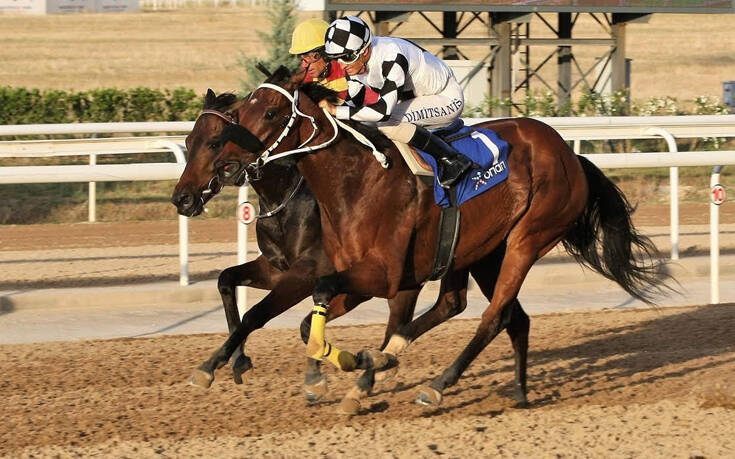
311, 56
349, 57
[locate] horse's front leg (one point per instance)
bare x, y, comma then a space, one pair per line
315, 383
365, 278
401, 307
258, 273
451, 301
293, 286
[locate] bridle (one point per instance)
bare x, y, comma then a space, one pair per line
252, 171
215, 185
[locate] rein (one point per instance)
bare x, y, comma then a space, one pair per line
267, 157
283, 204
229, 119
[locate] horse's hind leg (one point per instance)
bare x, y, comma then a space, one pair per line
518, 328
497, 316
486, 274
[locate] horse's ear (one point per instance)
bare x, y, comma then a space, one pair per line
298, 78
280, 76
210, 98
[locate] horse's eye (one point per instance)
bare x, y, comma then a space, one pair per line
215, 145
270, 114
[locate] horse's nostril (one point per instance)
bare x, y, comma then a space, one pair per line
229, 169
182, 200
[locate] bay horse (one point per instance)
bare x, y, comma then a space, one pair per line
293, 257
379, 226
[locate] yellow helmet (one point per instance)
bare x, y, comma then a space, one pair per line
308, 35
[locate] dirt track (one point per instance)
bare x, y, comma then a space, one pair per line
654, 383
615, 384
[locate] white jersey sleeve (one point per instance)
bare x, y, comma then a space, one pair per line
392, 71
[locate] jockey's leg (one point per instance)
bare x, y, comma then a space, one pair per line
451, 162
410, 120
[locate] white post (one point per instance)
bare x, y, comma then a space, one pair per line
714, 240
242, 250
674, 211
673, 191
92, 193
183, 250
577, 146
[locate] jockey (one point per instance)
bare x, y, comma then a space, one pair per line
307, 42
416, 91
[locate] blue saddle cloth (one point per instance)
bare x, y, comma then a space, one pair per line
485, 148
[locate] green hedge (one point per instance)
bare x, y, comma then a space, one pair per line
35, 106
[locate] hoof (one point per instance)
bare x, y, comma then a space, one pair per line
428, 396
201, 378
520, 398
349, 406
315, 392
386, 375
240, 366
375, 360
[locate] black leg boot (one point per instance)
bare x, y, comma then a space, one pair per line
452, 164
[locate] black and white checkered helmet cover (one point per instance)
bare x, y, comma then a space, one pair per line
347, 34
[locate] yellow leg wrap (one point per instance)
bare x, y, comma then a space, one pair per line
316, 344
343, 360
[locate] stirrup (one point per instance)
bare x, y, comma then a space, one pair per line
453, 170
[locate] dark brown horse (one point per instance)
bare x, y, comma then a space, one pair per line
293, 257
380, 226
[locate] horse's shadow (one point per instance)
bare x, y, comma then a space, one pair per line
643, 349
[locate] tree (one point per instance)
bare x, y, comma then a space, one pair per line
277, 42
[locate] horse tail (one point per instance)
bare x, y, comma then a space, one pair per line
603, 238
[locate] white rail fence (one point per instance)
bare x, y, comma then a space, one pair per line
572, 129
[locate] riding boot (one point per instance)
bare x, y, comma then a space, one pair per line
451, 163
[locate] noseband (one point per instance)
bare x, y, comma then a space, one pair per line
215, 185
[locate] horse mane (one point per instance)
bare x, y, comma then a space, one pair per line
220, 102
317, 92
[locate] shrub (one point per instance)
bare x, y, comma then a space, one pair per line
35, 106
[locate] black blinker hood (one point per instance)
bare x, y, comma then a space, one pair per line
241, 137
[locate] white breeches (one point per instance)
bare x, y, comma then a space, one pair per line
431, 112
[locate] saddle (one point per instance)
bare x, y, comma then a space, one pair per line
413, 159
483, 147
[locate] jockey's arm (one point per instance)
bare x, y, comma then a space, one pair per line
394, 73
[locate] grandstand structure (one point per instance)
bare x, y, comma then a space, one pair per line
510, 40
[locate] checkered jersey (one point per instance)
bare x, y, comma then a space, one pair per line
397, 70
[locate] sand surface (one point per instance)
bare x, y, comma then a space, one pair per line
653, 383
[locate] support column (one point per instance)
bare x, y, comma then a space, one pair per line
449, 30
564, 62
618, 57
501, 66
